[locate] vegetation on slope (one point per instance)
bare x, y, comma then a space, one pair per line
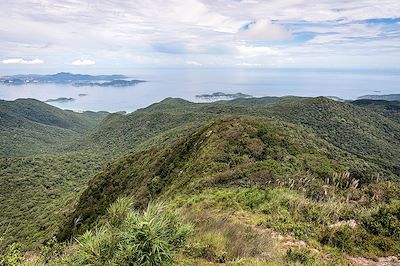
38, 182
309, 169
124, 237
357, 130
37, 192
230, 156
360, 131
29, 127
390, 109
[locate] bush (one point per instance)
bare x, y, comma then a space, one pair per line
341, 237
385, 221
128, 237
300, 255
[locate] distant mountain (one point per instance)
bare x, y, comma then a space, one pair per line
335, 98
62, 77
221, 95
113, 83
387, 97
60, 100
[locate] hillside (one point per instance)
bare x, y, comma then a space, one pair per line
361, 131
367, 133
37, 176
387, 97
231, 159
37, 192
390, 109
28, 127
301, 167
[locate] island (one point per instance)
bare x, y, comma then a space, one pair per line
386, 97
113, 83
60, 100
221, 95
59, 78
335, 98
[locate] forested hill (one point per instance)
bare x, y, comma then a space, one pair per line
29, 126
366, 132
242, 171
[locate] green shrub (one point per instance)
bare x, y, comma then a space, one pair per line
11, 256
299, 255
385, 221
341, 237
128, 237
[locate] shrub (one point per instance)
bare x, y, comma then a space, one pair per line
385, 221
128, 237
300, 255
341, 237
11, 256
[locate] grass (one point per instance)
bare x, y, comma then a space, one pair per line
123, 237
291, 213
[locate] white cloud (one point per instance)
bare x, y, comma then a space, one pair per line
193, 63
254, 51
59, 30
21, 61
85, 62
244, 64
263, 30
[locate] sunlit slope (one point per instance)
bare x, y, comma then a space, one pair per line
232, 152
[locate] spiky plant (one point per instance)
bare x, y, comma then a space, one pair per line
129, 237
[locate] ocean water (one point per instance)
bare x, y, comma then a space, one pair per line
187, 83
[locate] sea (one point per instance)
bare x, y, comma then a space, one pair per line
189, 82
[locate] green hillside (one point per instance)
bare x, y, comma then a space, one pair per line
38, 191
37, 178
356, 130
231, 152
364, 132
28, 127
314, 180
254, 166
390, 109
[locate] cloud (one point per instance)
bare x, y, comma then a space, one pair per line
170, 47
193, 63
245, 64
20, 61
207, 31
85, 62
255, 51
263, 30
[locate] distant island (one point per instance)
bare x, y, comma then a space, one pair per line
113, 83
221, 95
60, 100
335, 98
386, 97
69, 78
82, 94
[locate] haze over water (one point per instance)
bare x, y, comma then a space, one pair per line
186, 83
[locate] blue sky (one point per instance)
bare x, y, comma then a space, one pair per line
43, 35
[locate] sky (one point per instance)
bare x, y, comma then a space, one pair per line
77, 35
